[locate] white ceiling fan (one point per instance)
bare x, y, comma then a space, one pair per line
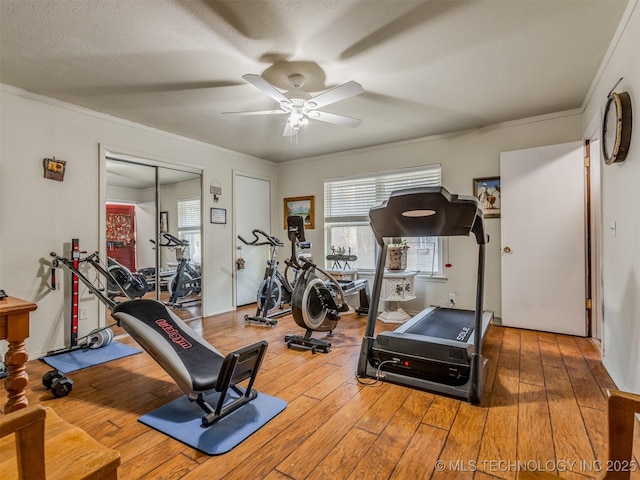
301, 106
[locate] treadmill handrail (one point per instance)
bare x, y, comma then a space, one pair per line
427, 212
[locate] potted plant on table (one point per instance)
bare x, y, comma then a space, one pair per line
397, 256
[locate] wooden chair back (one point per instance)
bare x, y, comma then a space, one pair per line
47, 447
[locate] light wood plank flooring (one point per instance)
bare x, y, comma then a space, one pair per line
543, 405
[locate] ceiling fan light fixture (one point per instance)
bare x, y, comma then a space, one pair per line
296, 118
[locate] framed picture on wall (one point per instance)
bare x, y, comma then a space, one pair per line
164, 222
302, 206
218, 215
487, 191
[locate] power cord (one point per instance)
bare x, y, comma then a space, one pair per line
380, 375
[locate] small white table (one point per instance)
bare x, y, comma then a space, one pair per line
397, 286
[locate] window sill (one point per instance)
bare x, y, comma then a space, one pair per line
425, 277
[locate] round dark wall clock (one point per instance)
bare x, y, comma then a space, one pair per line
616, 128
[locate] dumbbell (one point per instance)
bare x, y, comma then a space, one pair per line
59, 385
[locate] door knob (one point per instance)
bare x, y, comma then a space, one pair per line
506, 249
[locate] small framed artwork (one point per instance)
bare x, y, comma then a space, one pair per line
164, 222
302, 206
54, 169
487, 191
219, 215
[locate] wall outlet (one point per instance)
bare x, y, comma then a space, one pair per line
83, 314
452, 298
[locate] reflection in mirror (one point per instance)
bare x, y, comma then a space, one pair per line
179, 195
148, 206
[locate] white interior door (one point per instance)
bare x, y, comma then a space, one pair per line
596, 239
252, 210
543, 239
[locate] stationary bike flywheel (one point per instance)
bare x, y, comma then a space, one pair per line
272, 299
311, 310
185, 289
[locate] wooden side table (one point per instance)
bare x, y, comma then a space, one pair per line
14, 327
396, 287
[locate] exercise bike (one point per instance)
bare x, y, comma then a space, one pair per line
318, 298
186, 279
275, 290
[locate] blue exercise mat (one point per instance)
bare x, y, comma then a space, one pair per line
88, 357
182, 420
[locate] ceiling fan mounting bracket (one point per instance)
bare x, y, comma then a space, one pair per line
296, 80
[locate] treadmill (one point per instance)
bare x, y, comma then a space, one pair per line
440, 349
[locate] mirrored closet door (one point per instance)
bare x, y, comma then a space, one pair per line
154, 232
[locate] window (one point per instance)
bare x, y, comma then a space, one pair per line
346, 214
189, 226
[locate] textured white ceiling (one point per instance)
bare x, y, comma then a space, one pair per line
427, 67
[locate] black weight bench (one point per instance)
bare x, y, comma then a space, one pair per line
195, 365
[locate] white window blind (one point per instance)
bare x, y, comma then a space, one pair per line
349, 200
189, 226
188, 214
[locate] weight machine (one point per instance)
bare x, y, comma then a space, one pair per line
54, 380
194, 364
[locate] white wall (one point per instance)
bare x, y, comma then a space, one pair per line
620, 192
38, 215
463, 156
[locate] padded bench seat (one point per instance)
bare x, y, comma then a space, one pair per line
193, 363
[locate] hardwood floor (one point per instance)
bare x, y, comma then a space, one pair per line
543, 406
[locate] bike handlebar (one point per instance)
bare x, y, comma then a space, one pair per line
172, 241
88, 258
269, 240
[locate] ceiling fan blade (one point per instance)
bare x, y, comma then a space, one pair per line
260, 112
336, 94
335, 119
260, 83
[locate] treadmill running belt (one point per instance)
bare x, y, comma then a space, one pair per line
446, 323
